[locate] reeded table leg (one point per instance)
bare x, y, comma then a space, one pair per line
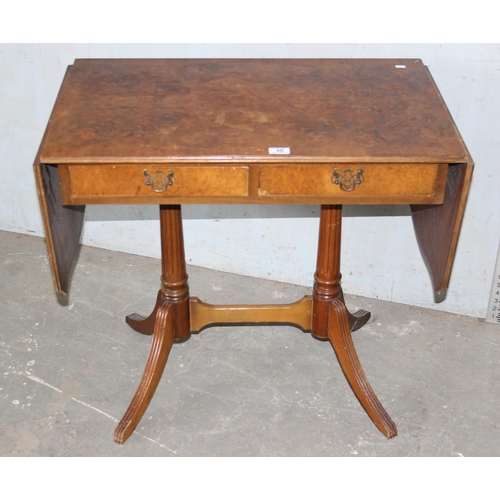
339, 333
163, 339
169, 320
332, 320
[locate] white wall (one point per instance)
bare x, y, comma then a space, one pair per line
380, 255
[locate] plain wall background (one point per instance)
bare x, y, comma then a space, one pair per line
380, 256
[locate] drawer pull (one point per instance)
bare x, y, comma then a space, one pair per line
347, 179
158, 180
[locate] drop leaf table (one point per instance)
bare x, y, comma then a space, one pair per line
327, 132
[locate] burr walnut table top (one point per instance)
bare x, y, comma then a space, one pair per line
324, 110
251, 131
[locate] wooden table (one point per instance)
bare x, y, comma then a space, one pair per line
312, 131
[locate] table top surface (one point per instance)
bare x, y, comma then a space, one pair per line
213, 110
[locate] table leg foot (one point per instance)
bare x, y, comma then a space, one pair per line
358, 319
144, 324
339, 333
163, 337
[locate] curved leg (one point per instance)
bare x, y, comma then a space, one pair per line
339, 333
162, 342
332, 320
143, 324
358, 319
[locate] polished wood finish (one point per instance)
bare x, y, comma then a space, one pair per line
383, 115
163, 338
312, 183
327, 277
402, 182
328, 110
332, 320
145, 324
169, 320
340, 336
324, 314
172, 132
63, 225
436, 228
297, 314
174, 279
125, 183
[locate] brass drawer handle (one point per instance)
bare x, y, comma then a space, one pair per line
347, 179
158, 180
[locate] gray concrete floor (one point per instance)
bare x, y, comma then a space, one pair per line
68, 372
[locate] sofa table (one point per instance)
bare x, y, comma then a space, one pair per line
269, 131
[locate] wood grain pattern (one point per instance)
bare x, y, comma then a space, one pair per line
208, 124
163, 338
309, 183
437, 227
145, 324
62, 224
125, 183
327, 276
340, 336
331, 319
298, 314
174, 278
182, 110
422, 181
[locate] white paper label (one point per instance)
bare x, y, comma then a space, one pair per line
279, 151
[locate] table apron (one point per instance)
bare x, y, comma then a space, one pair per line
253, 184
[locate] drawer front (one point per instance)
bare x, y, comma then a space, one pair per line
139, 183
354, 180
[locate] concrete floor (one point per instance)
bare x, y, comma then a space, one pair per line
69, 372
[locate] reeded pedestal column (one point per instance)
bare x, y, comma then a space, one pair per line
331, 319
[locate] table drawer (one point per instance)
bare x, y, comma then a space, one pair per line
366, 181
143, 183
